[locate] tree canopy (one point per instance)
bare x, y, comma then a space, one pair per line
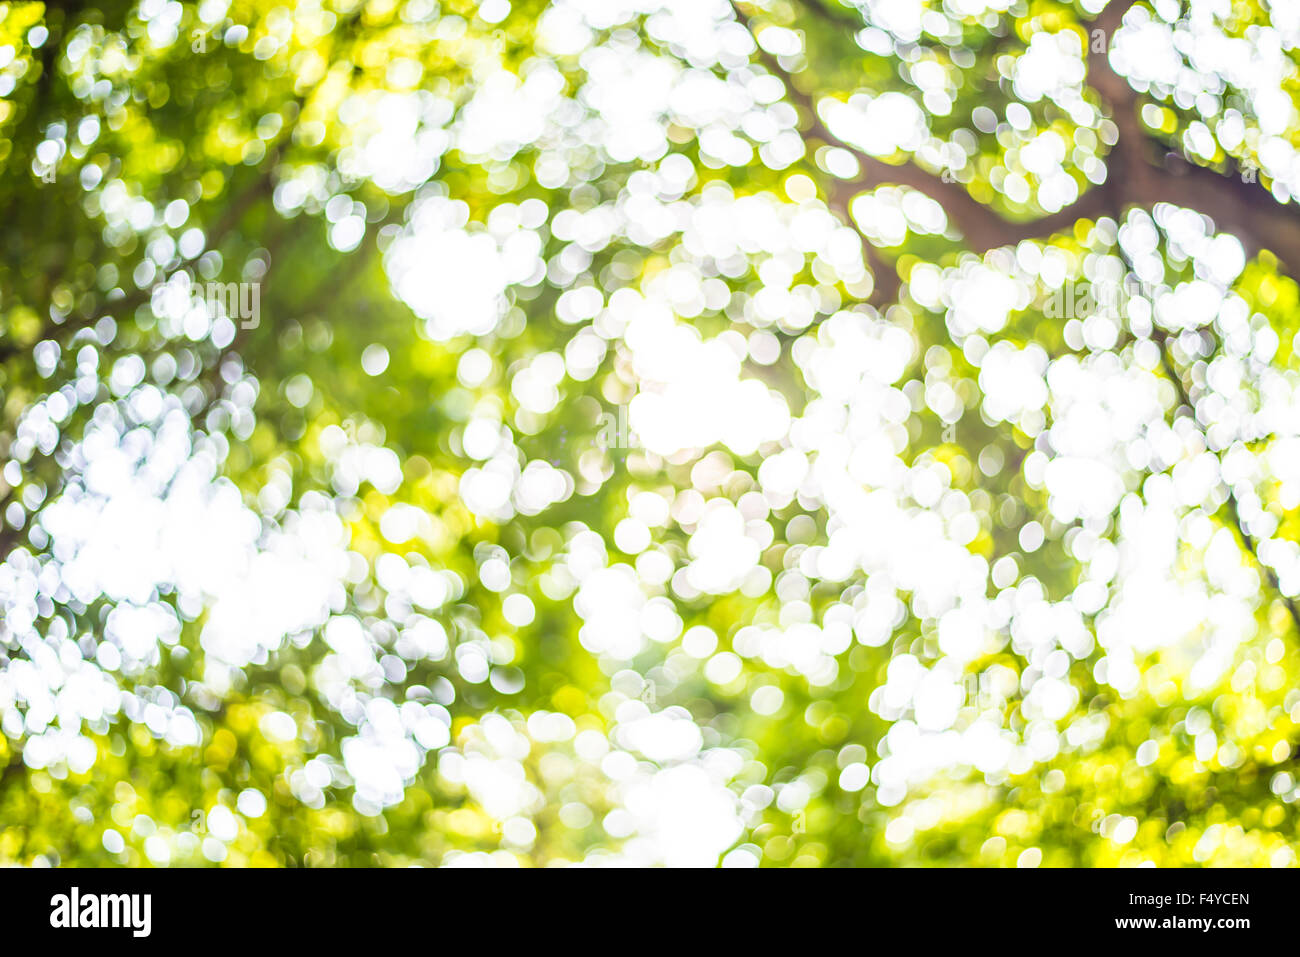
797, 432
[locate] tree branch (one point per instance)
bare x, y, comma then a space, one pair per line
1140, 171
981, 226
1123, 101
1141, 175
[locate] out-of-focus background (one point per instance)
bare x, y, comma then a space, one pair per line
795, 433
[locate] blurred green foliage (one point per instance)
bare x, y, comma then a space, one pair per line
254, 116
